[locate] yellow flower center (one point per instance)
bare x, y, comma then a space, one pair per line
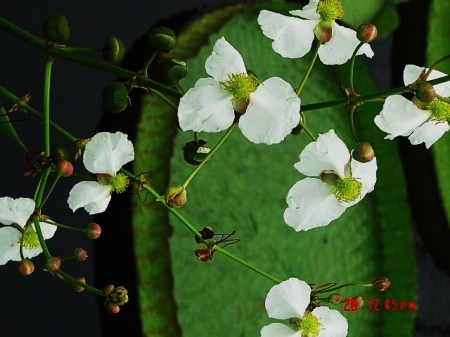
330, 10
309, 325
240, 86
347, 189
30, 239
440, 110
118, 183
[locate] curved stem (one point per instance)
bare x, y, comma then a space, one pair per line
308, 71
59, 225
430, 69
352, 65
40, 44
41, 237
210, 154
73, 281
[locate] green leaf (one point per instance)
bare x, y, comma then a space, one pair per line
438, 47
244, 188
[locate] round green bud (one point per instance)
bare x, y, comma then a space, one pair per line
162, 38
115, 97
172, 71
58, 153
367, 32
113, 49
56, 29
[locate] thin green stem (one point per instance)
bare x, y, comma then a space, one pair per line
430, 69
75, 282
164, 98
148, 62
16, 100
49, 192
352, 66
308, 71
46, 105
307, 130
245, 263
89, 50
444, 99
41, 187
209, 155
60, 52
59, 225
367, 285
41, 237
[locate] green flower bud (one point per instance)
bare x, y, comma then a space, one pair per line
59, 153
115, 97
113, 49
367, 32
172, 71
56, 29
162, 38
363, 152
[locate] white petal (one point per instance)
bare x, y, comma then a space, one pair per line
292, 37
90, 195
48, 230
429, 133
107, 152
16, 211
310, 205
309, 11
206, 107
366, 173
328, 153
9, 245
273, 111
411, 73
224, 61
333, 323
288, 299
399, 117
341, 46
279, 330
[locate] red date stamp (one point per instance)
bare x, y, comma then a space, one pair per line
378, 304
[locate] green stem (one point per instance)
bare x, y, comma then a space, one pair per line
245, 263
431, 68
310, 134
444, 99
14, 99
308, 71
164, 98
41, 237
346, 286
82, 50
59, 225
210, 154
46, 105
40, 44
73, 281
352, 65
52, 186
148, 62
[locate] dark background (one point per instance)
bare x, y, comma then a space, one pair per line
41, 306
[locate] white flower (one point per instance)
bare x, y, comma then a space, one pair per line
401, 117
104, 155
289, 300
268, 111
292, 37
14, 214
340, 182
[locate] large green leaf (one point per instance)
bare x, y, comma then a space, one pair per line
439, 46
244, 187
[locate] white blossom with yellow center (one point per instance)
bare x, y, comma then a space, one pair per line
293, 36
267, 112
334, 182
14, 215
289, 300
104, 155
401, 117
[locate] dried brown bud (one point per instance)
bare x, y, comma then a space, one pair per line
176, 196
53, 264
335, 298
359, 301
381, 284
80, 254
363, 152
424, 91
93, 230
205, 254
79, 288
